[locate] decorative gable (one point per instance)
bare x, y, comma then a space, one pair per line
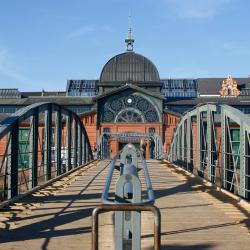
229, 87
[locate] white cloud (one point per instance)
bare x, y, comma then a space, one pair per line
87, 29
196, 9
81, 31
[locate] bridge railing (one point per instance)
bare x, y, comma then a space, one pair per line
38, 143
128, 202
213, 141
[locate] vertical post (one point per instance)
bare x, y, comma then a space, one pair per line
58, 141
178, 143
87, 150
175, 148
243, 139
84, 147
223, 147
47, 141
209, 143
182, 142
33, 149
156, 147
75, 143
198, 141
79, 146
13, 161
188, 136
68, 141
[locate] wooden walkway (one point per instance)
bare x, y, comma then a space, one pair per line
59, 217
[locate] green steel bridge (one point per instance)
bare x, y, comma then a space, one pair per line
198, 191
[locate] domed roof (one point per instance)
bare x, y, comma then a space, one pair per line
129, 67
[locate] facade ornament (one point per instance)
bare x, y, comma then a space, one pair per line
229, 87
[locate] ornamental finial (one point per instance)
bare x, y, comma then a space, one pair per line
129, 39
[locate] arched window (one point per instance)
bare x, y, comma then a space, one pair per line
129, 115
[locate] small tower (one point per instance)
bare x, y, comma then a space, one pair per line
129, 39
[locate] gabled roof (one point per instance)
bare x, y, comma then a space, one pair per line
129, 86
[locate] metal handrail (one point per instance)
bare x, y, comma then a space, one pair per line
127, 207
151, 197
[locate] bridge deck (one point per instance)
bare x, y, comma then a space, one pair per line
193, 217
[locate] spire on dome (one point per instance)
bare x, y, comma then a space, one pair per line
129, 39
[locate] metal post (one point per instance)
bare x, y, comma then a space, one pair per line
47, 141
58, 142
209, 143
84, 147
33, 149
68, 142
126, 224
75, 143
198, 142
13, 161
79, 146
243, 138
223, 147
182, 142
178, 144
188, 136
127, 207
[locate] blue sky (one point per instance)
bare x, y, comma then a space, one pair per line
45, 42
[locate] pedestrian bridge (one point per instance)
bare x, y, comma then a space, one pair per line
47, 202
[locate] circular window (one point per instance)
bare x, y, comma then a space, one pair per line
129, 101
129, 115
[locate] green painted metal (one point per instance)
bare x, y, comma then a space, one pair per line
33, 148
234, 165
58, 142
40, 120
47, 143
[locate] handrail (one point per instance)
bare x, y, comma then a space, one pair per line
127, 207
151, 197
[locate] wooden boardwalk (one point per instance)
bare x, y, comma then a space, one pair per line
193, 216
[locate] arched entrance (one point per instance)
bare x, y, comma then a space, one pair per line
153, 145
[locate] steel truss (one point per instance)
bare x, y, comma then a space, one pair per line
55, 141
213, 141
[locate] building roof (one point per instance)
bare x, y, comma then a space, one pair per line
61, 100
43, 93
129, 67
129, 86
212, 99
212, 86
